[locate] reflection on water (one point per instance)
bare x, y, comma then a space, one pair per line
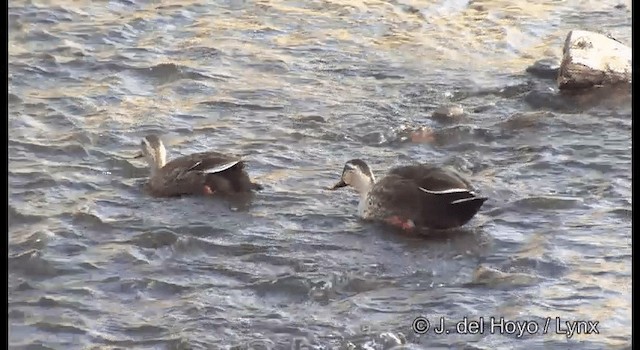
298, 88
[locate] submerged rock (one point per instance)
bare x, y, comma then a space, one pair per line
573, 101
593, 59
492, 277
483, 108
422, 135
525, 120
546, 68
448, 113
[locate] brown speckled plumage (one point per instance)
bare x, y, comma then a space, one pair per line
428, 196
224, 175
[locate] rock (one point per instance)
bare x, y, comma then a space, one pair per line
489, 276
545, 69
511, 91
549, 100
445, 113
390, 340
422, 135
593, 59
573, 101
525, 120
483, 108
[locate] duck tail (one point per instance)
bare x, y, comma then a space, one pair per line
467, 208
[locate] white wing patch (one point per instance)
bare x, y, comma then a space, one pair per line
194, 166
222, 167
458, 201
448, 190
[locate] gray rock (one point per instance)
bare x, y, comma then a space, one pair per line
593, 59
489, 276
447, 113
483, 108
546, 68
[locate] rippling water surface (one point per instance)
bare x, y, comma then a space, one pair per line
299, 87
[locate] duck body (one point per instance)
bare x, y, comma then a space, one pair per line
417, 195
204, 173
201, 173
429, 196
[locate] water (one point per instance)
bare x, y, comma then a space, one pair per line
299, 87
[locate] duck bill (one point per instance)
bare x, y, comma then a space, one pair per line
338, 185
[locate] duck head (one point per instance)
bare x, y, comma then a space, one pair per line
153, 150
357, 174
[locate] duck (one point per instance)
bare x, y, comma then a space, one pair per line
412, 197
203, 173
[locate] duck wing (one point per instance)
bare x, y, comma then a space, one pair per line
444, 183
223, 173
439, 198
432, 178
203, 162
394, 195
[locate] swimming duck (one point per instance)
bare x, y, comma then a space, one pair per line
411, 196
204, 173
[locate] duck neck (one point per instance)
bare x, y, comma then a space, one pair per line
158, 160
153, 169
363, 185
161, 157
155, 164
